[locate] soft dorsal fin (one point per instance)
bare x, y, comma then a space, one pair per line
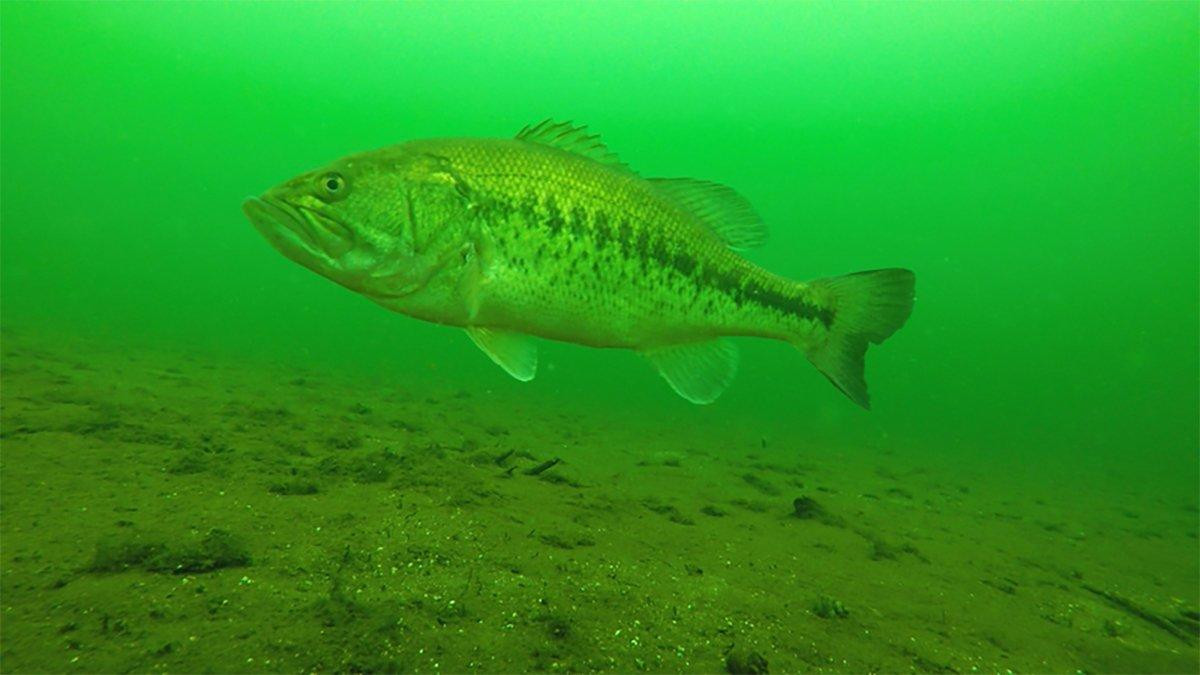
698, 371
724, 211
514, 352
574, 139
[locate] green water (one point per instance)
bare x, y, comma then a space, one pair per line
1036, 165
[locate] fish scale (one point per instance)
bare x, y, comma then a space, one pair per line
612, 251
549, 235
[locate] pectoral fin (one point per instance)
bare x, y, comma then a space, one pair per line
698, 371
514, 352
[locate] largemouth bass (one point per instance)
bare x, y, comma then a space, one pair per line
549, 234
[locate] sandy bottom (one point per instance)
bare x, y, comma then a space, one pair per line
171, 513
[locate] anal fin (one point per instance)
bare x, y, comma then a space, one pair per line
514, 352
697, 371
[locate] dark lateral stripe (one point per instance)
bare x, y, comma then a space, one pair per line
641, 244
750, 291
554, 219
600, 229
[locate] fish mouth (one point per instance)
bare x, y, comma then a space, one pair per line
299, 233
277, 222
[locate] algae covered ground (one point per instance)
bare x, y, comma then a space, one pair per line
167, 511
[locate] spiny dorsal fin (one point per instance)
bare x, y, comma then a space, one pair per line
724, 211
574, 139
514, 352
698, 371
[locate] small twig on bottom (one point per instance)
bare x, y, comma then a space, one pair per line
540, 468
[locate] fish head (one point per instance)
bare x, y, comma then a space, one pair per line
347, 221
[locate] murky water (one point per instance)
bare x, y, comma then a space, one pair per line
214, 459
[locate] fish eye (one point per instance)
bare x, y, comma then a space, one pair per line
333, 185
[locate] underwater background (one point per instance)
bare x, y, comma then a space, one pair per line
213, 459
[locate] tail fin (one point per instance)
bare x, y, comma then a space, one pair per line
868, 308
